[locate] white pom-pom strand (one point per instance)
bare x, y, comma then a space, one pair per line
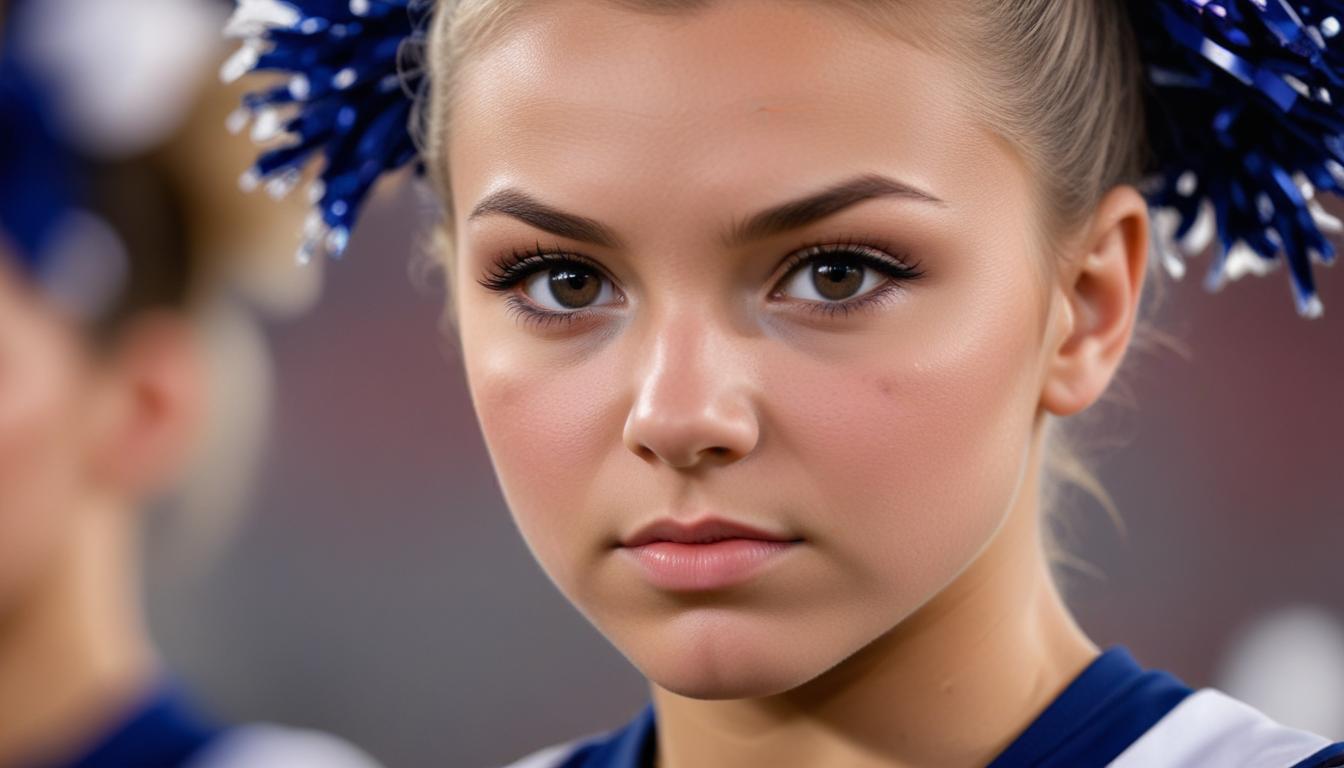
253, 17
241, 62
238, 120
250, 180
268, 125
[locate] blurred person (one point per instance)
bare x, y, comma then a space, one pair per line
119, 255
770, 312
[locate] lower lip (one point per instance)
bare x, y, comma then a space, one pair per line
689, 567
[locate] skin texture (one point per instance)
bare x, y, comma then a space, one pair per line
83, 440
917, 623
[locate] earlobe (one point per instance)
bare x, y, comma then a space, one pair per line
1100, 288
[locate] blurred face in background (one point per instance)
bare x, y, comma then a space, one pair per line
89, 428
46, 414
866, 384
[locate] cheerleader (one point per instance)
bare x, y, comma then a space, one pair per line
110, 305
770, 311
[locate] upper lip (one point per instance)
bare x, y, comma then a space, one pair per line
701, 531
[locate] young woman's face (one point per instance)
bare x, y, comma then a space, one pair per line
874, 401
42, 419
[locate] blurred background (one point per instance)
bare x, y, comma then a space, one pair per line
373, 585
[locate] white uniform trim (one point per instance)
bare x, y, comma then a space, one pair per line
273, 746
549, 757
1210, 729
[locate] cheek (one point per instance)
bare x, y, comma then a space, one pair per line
548, 427
38, 462
924, 445
910, 443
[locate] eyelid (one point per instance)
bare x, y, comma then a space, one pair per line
894, 264
509, 270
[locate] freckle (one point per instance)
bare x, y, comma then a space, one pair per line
886, 386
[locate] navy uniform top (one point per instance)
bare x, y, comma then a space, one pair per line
164, 731
1113, 714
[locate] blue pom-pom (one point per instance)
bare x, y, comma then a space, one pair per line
1244, 128
1241, 116
347, 100
39, 184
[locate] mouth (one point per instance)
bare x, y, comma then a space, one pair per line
706, 530
711, 553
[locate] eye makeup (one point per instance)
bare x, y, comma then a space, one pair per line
831, 261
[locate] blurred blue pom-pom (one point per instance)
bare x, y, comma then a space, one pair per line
347, 99
1241, 117
1244, 131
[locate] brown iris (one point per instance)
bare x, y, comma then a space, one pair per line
574, 287
836, 279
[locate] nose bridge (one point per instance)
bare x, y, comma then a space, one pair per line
692, 389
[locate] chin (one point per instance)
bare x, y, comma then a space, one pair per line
710, 665
721, 686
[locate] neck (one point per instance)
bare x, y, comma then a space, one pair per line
952, 685
73, 651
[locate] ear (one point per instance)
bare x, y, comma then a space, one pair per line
1099, 291
151, 406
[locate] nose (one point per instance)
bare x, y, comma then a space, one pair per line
693, 403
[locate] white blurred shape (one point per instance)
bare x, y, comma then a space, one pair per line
254, 17
1243, 260
218, 483
1289, 664
84, 266
125, 73
271, 746
1201, 231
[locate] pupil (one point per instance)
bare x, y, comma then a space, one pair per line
837, 280
572, 287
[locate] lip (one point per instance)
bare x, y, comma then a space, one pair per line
710, 553
705, 530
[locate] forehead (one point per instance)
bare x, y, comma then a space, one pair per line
745, 100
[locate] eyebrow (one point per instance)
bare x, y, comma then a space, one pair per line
781, 218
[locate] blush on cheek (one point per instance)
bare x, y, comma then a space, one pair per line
915, 452
549, 430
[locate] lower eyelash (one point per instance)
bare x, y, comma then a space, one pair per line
873, 298
543, 318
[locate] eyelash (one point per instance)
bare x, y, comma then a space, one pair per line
512, 269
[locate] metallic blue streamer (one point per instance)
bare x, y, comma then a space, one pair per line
346, 100
1239, 96
39, 179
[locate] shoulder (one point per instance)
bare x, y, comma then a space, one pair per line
1209, 728
272, 746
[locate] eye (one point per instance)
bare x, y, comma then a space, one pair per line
567, 287
556, 287
845, 275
